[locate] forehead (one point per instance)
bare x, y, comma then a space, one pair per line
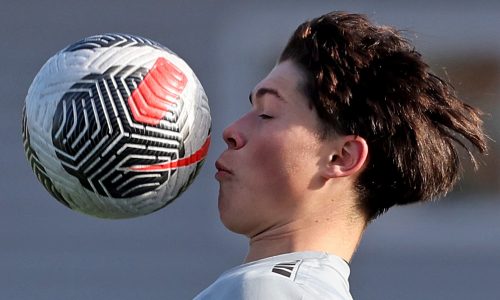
286, 79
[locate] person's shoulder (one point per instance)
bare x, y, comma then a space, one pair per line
269, 285
323, 276
304, 276
252, 283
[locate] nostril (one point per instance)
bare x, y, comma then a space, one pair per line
231, 142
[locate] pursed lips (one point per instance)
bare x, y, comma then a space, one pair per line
222, 170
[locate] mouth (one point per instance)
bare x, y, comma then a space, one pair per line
222, 171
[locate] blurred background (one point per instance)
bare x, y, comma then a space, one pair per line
443, 250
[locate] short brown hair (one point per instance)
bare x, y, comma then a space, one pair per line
369, 81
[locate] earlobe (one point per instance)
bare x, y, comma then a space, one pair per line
349, 157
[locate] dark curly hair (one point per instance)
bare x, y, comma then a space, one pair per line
368, 80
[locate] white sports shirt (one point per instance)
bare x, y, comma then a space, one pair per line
299, 275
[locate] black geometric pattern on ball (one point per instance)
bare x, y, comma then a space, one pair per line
34, 161
113, 40
98, 141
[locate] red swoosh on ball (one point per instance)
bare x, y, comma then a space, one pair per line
183, 162
159, 90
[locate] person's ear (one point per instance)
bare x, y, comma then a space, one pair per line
348, 157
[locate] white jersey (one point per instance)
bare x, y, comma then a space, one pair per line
299, 275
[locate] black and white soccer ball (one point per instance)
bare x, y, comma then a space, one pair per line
116, 126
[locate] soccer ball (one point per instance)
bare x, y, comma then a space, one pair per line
116, 126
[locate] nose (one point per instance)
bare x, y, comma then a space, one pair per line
233, 136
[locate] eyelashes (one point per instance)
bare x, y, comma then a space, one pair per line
265, 117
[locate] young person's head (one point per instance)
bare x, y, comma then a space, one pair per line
368, 81
276, 160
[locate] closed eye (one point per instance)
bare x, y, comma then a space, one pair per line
265, 117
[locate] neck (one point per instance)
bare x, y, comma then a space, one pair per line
331, 235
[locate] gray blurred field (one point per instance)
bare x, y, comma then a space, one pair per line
444, 250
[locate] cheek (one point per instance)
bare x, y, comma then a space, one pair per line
272, 158
275, 174
285, 163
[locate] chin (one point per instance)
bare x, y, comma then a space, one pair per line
233, 222
233, 227
232, 216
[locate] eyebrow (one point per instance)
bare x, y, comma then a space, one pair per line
263, 91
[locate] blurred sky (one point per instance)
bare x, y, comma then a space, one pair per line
444, 250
